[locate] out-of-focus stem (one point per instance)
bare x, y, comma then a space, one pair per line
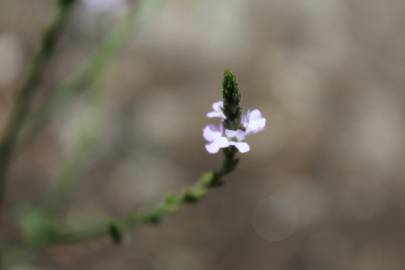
23, 99
91, 69
115, 228
28, 89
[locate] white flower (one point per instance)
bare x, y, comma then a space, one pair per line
218, 137
217, 110
239, 134
253, 122
215, 137
236, 138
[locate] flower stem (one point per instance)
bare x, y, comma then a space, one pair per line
91, 69
28, 89
115, 228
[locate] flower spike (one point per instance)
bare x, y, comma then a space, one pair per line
234, 127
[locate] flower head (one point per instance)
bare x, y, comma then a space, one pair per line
253, 122
215, 137
236, 138
219, 137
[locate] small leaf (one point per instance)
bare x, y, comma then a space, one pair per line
200, 192
172, 203
189, 197
206, 179
115, 233
154, 216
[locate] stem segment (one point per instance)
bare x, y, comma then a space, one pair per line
28, 89
115, 228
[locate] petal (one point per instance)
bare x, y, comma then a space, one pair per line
239, 134
211, 133
215, 115
256, 125
217, 110
254, 122
241, 146
244, 120
212, 148
222, 142
230, 133
218, 105
255, 114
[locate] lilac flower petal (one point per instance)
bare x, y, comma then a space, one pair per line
218, 105
214, 115
212, 132
256, 126
214, 146
253, 122
241, 146
217, 110
255, 114
244, 120
239, 134
222, 142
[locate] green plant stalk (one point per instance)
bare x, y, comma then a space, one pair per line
24, 96
91, 69
51, 234
28, 89
115, 228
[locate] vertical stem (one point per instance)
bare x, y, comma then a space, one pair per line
28, 89
90, 70
116, 227
21, 109
233, 113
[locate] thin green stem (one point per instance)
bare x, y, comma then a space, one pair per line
115, 228
91, 69
28, 89
51, 234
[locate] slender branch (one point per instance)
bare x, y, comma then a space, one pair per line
115, 228
50, 234
91, 69
28, 89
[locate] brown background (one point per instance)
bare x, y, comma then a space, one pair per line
323, 186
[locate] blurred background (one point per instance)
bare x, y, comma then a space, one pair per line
323, 186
